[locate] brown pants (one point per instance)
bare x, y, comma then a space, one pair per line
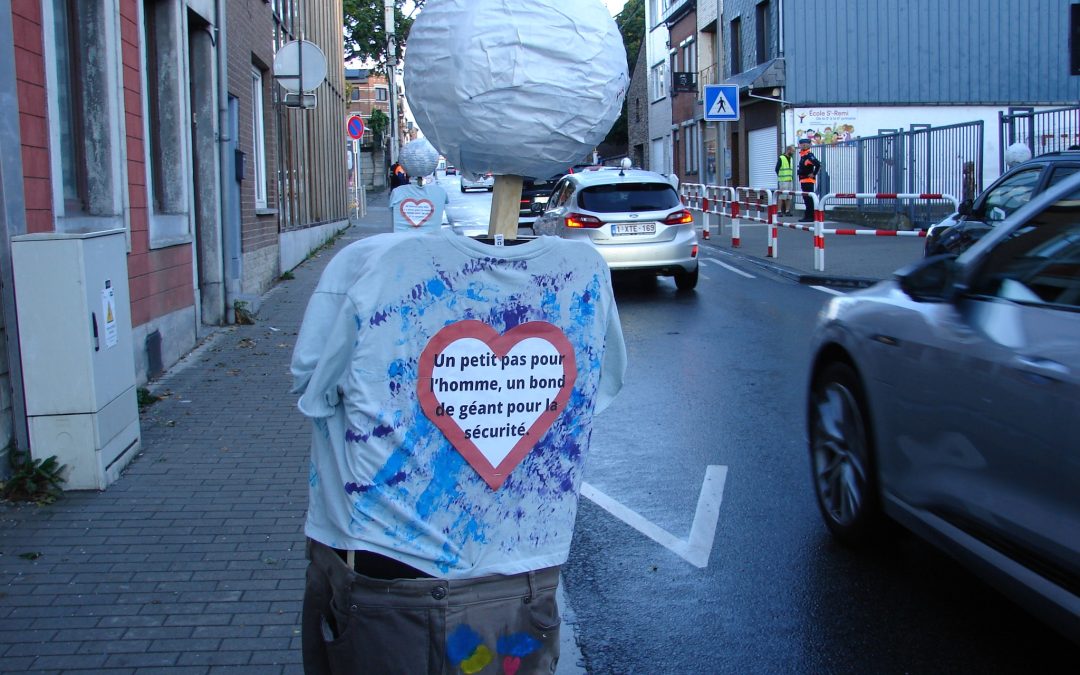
357, 624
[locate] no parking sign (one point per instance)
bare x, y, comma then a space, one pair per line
355, 127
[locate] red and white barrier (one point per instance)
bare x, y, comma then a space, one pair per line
694, 197
755, 205
759, 205
928, 196
720, 201
817, 228
710, 200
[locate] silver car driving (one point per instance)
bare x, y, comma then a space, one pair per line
634, 218
948, 400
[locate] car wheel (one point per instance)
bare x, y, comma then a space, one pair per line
841, 456
686, 281
462, 188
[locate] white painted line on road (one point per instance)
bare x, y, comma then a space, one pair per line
826, 289
726, 266
698, 546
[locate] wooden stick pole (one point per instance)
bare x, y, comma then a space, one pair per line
505, 204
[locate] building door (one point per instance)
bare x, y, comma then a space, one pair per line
204, 169
656, 156
763, 156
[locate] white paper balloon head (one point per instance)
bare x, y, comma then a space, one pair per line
520, 87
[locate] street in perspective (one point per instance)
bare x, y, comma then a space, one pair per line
289, 384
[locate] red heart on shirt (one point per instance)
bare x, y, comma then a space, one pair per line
416, 211
511, 665
495, 396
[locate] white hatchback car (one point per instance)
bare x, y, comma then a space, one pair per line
484, 181
634, 218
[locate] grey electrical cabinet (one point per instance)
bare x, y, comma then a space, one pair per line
74, 314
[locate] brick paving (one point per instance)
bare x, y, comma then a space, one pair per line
193, 562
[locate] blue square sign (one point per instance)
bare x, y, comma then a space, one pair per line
721, 102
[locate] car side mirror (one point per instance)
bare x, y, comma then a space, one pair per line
930, 279
964, 209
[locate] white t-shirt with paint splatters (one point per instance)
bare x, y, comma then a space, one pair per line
416, 207
383, 477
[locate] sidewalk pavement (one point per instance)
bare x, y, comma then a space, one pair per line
193, 561
852, 261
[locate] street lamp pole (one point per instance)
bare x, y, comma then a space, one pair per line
391, 60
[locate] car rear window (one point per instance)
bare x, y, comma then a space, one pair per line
538, 185
620, 197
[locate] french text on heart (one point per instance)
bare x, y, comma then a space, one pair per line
497, 396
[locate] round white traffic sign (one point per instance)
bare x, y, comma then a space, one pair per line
289, 60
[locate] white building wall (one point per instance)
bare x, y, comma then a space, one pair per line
710, 71
868, 120
656, 51
707, 12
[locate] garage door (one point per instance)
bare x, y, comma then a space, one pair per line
763, 156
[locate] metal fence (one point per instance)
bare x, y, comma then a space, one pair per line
1043, 131
924, 159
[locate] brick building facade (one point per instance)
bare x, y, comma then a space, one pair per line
162, 119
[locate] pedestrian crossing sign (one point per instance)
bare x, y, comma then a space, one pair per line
722, 102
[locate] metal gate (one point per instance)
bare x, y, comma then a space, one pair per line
1043, 131
924, 159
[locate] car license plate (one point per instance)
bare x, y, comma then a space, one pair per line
540, 200
633, 228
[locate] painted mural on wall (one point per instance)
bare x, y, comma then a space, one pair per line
826, 126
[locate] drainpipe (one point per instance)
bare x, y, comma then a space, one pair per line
12, 222
780, 28
230, 235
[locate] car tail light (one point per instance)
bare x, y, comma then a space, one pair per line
694, 251
679, 218
582, 220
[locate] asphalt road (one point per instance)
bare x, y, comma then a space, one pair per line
717, 379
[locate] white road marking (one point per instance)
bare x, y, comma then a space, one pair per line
826, 289
726, 266
696, 548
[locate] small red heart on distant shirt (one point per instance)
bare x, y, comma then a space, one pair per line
416, 211
511, 665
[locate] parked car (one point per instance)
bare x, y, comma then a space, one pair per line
1009, 192
948, 400
535, 194
482, 182
634, 219
451, 170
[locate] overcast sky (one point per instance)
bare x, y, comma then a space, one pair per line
614, 5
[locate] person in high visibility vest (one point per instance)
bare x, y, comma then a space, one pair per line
398, 177
808, 171
785, 180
